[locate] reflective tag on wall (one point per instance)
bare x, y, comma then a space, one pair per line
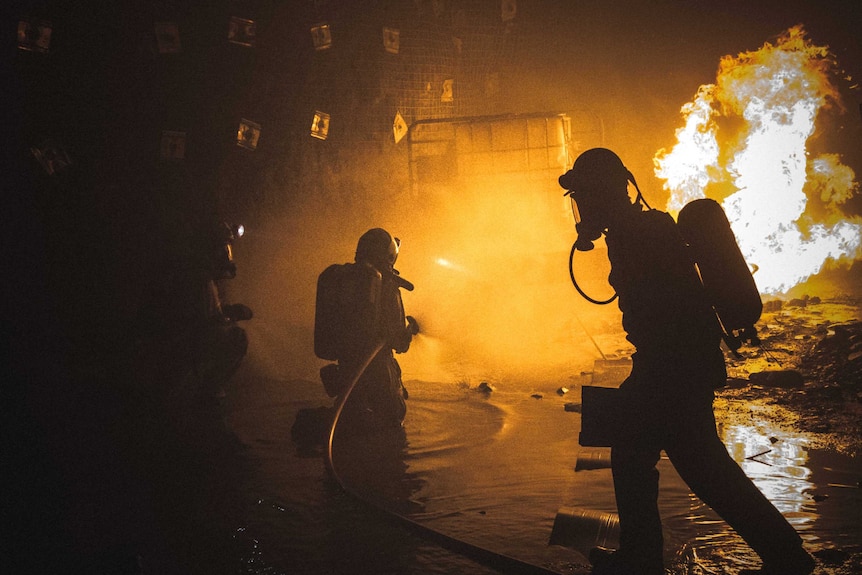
322, 36
391, 40
399, 127
34, 36
320, 125
173, 145
52, 156
241, 31
248, 134
167, 37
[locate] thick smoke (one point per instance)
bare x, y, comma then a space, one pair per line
493, 296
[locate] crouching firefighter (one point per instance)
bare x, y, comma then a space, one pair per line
186, 334
359, 323
221, 342
666, 402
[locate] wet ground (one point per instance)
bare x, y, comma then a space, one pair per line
119, 481
802, 392
494, 470
808, 371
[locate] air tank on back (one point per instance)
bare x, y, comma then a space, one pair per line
725, 274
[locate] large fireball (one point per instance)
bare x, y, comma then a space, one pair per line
744, 143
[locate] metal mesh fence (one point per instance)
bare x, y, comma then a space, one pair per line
425, 59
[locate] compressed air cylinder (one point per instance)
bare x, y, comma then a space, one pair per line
724, 272
346, 309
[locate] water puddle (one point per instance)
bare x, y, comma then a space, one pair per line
496, 470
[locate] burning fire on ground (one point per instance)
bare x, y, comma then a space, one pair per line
744, 144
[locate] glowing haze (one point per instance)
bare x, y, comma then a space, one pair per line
493, 297
744, 144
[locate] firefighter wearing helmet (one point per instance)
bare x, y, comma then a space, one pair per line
666, 402
378, 248
359, 313
222, 343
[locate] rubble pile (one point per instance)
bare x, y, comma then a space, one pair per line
836, 361
810, 364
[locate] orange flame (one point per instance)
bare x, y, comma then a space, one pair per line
772, 96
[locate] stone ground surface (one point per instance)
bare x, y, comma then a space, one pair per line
810, 364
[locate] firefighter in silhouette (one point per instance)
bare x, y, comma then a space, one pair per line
223, 343
360, 323
187, 334
666, 402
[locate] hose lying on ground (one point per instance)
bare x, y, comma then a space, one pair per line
503, 563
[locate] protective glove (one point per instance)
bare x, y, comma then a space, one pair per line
237, 312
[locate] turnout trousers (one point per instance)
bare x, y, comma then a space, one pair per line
687, 434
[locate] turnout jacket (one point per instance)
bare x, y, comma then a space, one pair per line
666, 313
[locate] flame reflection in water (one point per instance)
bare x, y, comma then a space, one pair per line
776, 463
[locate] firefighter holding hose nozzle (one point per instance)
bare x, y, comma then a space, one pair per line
666, 402
360, 324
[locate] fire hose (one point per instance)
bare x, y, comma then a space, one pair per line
501, 562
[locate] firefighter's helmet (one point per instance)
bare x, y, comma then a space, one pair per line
598, 170
379, 248
598, 184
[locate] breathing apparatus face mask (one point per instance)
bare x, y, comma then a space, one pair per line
590, 219
224, 266
218, 251
598, 185
595, 204
590, 212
